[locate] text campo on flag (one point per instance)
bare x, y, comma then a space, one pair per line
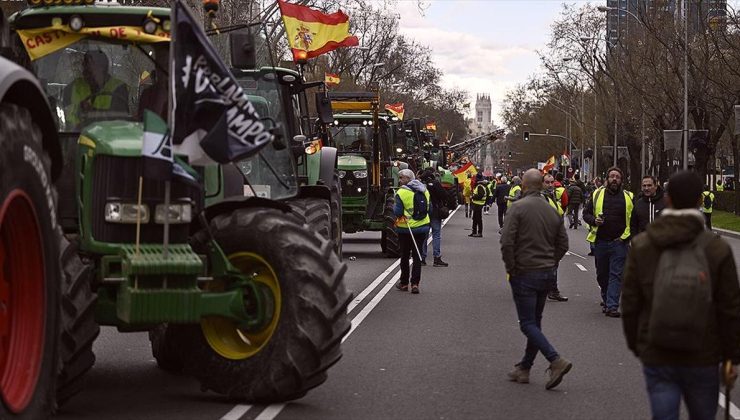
239, 108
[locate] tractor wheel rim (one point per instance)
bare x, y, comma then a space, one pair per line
22, 300
223, 335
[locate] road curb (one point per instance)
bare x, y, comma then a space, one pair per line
728, 233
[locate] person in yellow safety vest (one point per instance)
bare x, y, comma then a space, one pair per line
707, 205
720, 187
412, 208
467, 192
561, 194
515, 192
490, 187
609, 213
549, 193
95, 91
480, 195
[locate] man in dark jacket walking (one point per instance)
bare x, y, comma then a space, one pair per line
532, 243
688, 364
648, 205
439, 198
576, 195
500, 194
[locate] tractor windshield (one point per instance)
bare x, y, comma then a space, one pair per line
352, 137
93, 80
271, 173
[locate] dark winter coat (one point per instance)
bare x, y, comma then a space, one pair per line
673, 228
646, 210
501, 192
576, 193
437, 193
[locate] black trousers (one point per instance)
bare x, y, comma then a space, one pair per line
478, 218
708, 219
408, 250
501, 213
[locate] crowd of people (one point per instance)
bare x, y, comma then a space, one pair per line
658, 265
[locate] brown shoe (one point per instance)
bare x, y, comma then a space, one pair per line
558, 369
415, 289
402, 287
519, 375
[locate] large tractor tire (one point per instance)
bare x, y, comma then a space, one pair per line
30, 272
313, 212
78, 327
336, 213
292, 354
389, 237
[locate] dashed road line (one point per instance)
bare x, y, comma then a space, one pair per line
237, 412
270, 412
734, 411
580, 267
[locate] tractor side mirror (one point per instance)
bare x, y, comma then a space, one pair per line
243, 50
323, 107
300, 138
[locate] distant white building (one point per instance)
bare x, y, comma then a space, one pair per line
482, 122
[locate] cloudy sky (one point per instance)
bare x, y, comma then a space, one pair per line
483, 46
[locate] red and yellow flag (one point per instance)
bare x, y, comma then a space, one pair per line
431, 126
549, 164
312, 33
395, 109
331, 79
462, 172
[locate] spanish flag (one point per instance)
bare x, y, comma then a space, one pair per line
395, 109
549, 164
312, 33
462, 172
331, 79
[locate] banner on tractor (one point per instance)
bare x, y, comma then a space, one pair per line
331, 79
395, 109
43, 41
312, 33
159, 161
212, 118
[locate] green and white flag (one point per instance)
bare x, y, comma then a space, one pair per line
156, 151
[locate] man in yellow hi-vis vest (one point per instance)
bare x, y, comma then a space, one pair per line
609, 212
550, 194
95, 92
515, 192
412, 225
720, 187
480, 194
707, 205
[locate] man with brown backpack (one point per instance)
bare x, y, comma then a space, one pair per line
681, 306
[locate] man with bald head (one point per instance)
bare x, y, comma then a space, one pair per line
532, 243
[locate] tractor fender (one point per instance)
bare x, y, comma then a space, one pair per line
234, 203
20, 87
327, 165
315, 191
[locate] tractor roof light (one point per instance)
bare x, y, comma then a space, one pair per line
149, 26
166, 25
76, 23
300, 56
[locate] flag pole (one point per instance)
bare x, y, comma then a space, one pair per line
166, 239
138, 215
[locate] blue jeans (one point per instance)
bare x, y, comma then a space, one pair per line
610, 257
530, 294
436, 239
699, 387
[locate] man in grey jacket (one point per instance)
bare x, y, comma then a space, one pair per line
532, 243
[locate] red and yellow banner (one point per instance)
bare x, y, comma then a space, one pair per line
395, 109
431, 126
331, 79
42, 41
312, 33
462, 172
549, 164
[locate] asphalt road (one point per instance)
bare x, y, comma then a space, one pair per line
442, 354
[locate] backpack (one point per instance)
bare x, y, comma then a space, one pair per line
707, 201
683, 307
421, 206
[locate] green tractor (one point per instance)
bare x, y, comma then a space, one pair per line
243, 297
367, 164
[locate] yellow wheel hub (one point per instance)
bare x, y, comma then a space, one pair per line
222, 334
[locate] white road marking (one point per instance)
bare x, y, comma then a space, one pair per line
734, 411
580, 267
575, 255
270, 412
237, 412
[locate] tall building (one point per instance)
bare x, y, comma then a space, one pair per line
702, 13
483, 122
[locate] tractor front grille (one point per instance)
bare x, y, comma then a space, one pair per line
353, 187
117, 179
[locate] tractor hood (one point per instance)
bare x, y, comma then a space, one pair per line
351, 162
117, 138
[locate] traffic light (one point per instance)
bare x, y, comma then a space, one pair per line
509, 155
526, 136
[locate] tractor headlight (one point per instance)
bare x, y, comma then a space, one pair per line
360, 174
177, 213
76, 23
342, 174
126, 213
